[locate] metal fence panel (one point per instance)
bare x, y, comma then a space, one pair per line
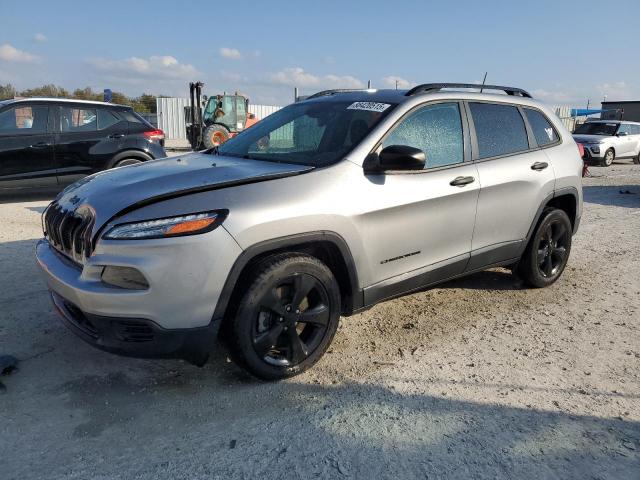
171, 116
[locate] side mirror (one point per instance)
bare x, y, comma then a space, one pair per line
401, 157
622, 134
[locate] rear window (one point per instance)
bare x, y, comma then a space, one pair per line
543, 131
500, 129
106, 119
76, 119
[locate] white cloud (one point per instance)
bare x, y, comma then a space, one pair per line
9, 53
620, 90
135, 68
40, 38
391, 80
231, 53
297, 77
552, 96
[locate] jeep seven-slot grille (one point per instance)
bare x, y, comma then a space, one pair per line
69, 231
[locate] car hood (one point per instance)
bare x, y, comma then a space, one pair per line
106, 194
590, 138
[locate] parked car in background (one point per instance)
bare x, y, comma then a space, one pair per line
46, 142
606, 140
322, 209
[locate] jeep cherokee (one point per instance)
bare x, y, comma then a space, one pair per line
321, 210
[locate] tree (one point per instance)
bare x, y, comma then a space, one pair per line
7, 91
146, 103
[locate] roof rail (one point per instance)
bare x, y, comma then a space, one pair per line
435, 87
324, 93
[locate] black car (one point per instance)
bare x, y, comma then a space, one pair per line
53, 142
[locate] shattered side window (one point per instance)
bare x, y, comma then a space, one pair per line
436, 130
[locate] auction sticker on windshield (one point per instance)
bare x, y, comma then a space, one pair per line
370, 106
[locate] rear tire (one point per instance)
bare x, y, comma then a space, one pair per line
609, 157
126, 161
214, 135
636, 159
287, 317
547, 253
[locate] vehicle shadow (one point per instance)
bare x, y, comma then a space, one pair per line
613, 195
495, 279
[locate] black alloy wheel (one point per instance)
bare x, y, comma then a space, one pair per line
552, 248
291, 320
286, 314
547, 252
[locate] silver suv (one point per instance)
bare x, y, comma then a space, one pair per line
322, 209
606, 140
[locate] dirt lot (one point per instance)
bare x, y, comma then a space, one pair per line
477, 379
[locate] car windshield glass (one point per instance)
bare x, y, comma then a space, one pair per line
597, 129
308, 133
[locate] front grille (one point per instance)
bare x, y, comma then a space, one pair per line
69, 231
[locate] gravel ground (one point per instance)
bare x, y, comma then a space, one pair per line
477, 379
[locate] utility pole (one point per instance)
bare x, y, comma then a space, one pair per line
396, 83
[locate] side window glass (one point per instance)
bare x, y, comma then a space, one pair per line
624, 129
73, 119
434, 129
500, 129
24, 120
542, 129
106, 119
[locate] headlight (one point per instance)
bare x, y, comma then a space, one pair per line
167, 227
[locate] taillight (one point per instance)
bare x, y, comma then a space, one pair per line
581, 149
154, 134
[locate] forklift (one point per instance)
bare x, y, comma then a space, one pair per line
222, 117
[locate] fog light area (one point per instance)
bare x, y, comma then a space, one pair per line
124, 277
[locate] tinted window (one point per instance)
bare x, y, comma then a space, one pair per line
597, 128
24, 120
436, 130
625, 129
635, 129
500, 129
132, 117
106, 119
542, 128
74, 119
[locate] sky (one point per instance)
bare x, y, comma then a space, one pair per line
563, 52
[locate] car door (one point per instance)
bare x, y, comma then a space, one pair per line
419, 225
625, 143
515, 179
87, 137
26, 146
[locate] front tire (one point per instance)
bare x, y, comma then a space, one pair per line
214, 135
609, 157
547, 253
286, 318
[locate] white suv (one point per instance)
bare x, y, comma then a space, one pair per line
606, 140
322, 209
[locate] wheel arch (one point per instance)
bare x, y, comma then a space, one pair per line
564, 199
329, 247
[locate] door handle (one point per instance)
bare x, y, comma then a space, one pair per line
461, 181
116, 135
539, 166
40, 145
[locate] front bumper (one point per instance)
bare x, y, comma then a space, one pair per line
185, 276
137, 337
593, 152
